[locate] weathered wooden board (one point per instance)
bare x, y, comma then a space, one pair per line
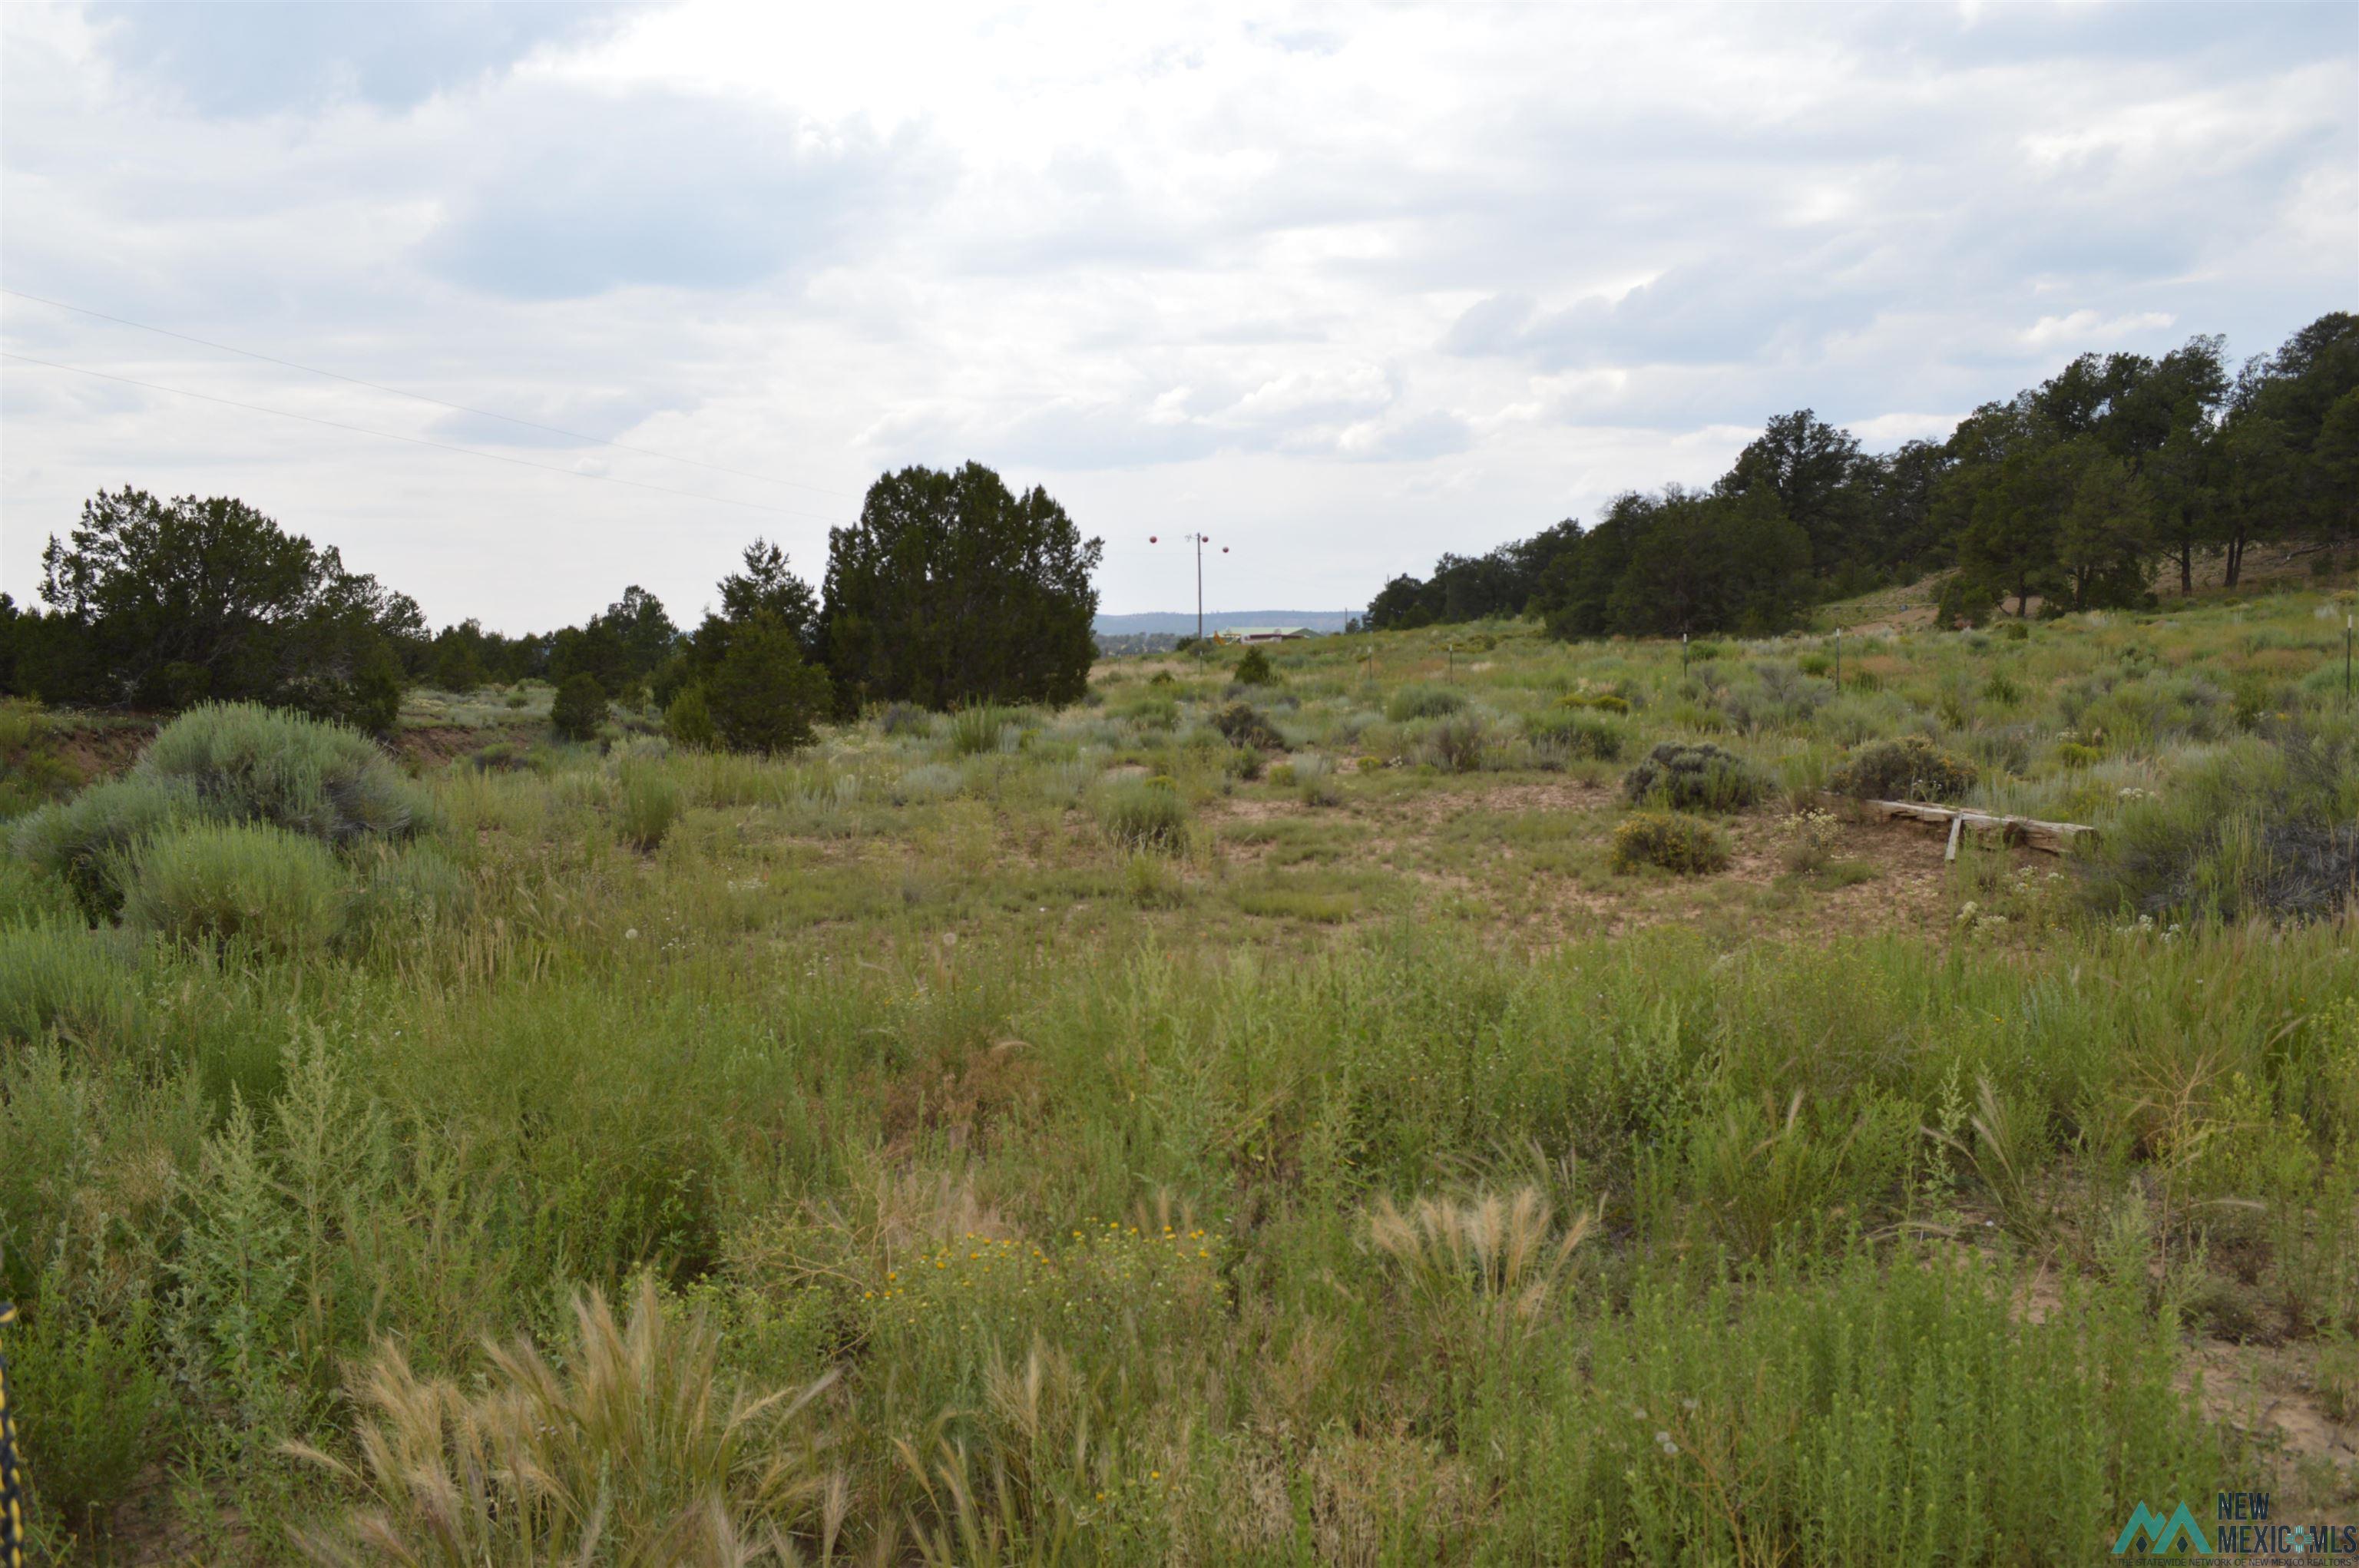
2056, 838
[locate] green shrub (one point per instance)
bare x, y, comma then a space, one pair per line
2015, 631
1909, 769
649, 803
1458, 743
905, 718
1603, 701
86, 843
1253, 669
765, 696
2073, 753
252, 764
1314, 778
1577, 735
1241, 724
2262, 830
579, 708
687, 722
403, 887
1422, 703
227, 881
87, 1399
1689, 847
1145, 814
60, 977
1699, 777
976, 729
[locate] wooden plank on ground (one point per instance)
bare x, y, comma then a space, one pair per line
2056, 838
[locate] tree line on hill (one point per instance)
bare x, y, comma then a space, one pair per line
2073, 492
949, 589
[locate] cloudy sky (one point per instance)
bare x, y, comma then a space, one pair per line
1343, 287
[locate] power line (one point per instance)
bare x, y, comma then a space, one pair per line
414, 440
423, 398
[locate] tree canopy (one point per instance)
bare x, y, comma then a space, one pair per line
166, 603
2071, 493
952, 589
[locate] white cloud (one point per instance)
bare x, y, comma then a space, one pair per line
2088, 327
1361, 284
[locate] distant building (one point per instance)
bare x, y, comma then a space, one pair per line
1263, 634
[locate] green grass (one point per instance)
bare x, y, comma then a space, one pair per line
1145, 1164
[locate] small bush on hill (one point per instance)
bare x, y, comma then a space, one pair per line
1603, 702
248, 763
905, 718
1694, 777
224, 881
1314, 776
687, 722
579, 708
1457, 743
1243, 725
1422, 703
1145, 815
1253, 669
87, 842
1577, 735
1909, 769
1685, 845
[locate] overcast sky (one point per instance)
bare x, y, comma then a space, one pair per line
1343, 287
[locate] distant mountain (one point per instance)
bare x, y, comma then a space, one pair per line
1184, 622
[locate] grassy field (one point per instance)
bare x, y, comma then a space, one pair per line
1298, 1123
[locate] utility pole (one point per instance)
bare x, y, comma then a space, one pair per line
1838, 659
1199, 541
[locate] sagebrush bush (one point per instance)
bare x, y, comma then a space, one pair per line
1314, 778
580, 707
229, 881
1688, 846
1910, 767
60, 977
1698, 777
87, 842
251, 763
1243, 725
1145, 814
1422, 703
1457, 743
905, 718
1577, 735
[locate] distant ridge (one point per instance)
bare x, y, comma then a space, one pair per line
1183, 622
